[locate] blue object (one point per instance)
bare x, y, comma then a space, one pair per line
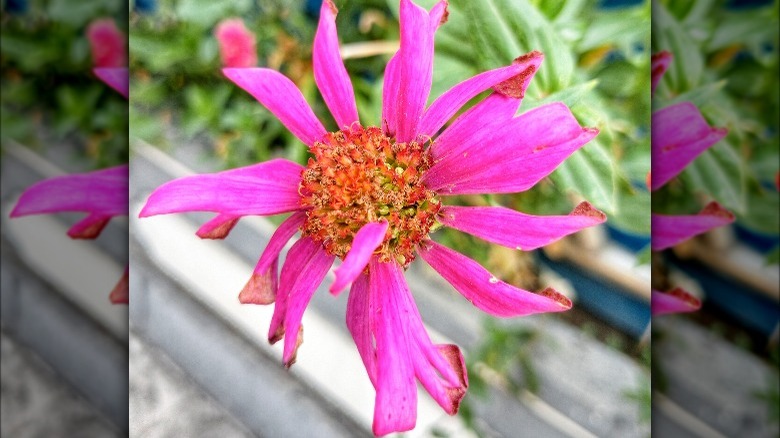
146, 6
610, 303
16, 6
746, 306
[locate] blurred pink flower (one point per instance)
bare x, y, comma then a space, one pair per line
676, 300
236, 43
679, 135
108, 44
101, 194
372, 195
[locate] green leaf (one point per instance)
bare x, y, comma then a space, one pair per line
590, 173
719, 173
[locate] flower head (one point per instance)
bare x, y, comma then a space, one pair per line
236, 43
107, 44
372, 195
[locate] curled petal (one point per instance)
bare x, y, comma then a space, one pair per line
261, 189
366, 240
512, 158
116, 78
219, 227
519, 230
89, 227
329, 71
121, 292
309, 277
484, 290
282, 98
512, 80
671, 230
395, 407
303, 270
679, 135
676, 300
659, 63
263, 285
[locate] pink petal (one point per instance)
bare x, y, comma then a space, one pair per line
490, 114
660, 62
219, 227
390, 96
395, 408
107, 43
676, 300
121, 292
512, 158
414, 70
282, 98
671, 230
679, 135
102, 193
329, 71
297, 257
513, 80
262, 286
447, 395
309, 277
359, 324
367, 239
486, 291
519, 230
440, 368
237, 46
89, 227
116, 78
262, 189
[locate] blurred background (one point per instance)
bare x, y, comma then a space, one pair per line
64, 345
716, 370
585, 372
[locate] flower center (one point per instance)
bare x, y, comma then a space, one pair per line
360, 175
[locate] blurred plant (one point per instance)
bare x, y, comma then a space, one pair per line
726, 64
49, 95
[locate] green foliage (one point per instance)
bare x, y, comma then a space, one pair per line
50, 95
726, 63
595, 62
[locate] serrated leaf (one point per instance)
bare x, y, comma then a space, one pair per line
718, 173
590, 173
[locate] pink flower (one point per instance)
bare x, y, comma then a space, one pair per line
679, 135
117, 78
372, 195
236, 43
101, 194
107, 43
676, 300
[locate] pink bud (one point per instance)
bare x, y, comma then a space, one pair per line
236, 43
107, 43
